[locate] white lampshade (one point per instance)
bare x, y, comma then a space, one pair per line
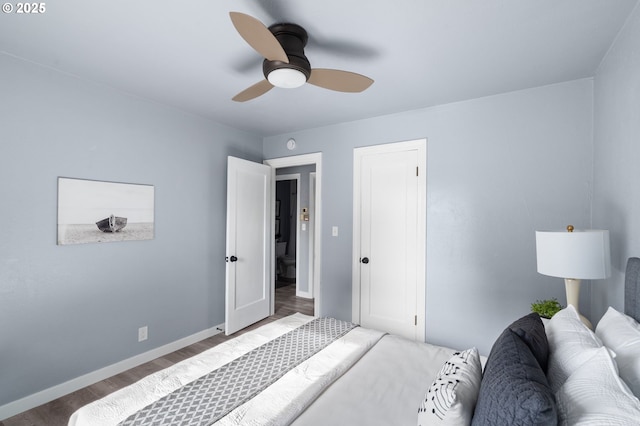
582, 255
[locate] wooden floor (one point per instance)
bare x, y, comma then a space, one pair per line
57, 412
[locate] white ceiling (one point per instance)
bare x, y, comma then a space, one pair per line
419, 52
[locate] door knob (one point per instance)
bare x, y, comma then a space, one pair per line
365, 260
233, 258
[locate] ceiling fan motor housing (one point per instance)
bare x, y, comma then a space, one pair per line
293, 38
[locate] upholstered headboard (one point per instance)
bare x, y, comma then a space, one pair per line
632, 288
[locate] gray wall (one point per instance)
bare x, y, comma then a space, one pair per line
498, 169
69, 310
616, 200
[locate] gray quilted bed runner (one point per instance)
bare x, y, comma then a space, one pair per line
212, 396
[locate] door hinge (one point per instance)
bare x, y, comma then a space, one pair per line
415, 320
416, 170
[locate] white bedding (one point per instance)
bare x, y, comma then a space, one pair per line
278, 404
285, 399
384, 388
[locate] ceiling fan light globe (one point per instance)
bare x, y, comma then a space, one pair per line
287, 78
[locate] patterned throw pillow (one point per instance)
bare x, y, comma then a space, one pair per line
531, 330
514, 389
452, 396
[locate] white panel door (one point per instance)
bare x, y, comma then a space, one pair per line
249, 241
391, 278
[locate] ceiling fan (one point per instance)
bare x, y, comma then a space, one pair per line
285, 64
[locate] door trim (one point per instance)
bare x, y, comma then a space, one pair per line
303, 160
421, 146
312, 232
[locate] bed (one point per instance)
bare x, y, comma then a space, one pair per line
302, 370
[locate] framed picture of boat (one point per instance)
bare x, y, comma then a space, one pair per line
91, 211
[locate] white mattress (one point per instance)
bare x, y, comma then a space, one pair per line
384, 388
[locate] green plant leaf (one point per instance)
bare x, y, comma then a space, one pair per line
546, 308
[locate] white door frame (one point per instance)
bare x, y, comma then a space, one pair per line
421, 146
312, 231
296, 177
303, 160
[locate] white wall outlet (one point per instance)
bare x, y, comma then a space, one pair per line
334, 231
143, 333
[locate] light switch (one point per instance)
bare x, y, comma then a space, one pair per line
304, 226
334, 231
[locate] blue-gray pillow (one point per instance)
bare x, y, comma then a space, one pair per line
514, 389
531, 330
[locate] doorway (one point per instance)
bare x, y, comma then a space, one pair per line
286, 229
306, 219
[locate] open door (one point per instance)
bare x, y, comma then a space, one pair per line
249, 242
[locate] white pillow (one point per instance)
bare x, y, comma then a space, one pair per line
571, 343
621, 333
452, 396
595, 395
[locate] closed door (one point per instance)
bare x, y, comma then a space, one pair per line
248, 245
390, 222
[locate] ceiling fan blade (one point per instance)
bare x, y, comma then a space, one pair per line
341, 81
259, 37
254, 91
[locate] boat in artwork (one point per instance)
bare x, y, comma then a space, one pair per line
112, 224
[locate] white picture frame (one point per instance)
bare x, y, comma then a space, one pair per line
92, 211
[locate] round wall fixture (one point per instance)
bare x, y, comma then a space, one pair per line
291, 144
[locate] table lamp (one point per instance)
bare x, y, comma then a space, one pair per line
574, 256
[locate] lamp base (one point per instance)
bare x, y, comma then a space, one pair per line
572, 287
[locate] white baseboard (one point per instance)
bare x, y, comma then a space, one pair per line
54, 392
304, 294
